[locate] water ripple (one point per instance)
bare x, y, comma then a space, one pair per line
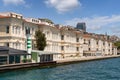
95, 70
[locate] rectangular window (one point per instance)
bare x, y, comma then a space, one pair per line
103, 49
89, 42
77, 48
3, 60
97, 49
7, 29
97, 42
62, 37
109, 44
13, 29
62, 47
7, 44
89, 49
84, 41
77, 39
103, 43
27, 30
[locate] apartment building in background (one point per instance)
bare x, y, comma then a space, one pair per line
60, 39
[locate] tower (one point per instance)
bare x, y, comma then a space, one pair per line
81, 26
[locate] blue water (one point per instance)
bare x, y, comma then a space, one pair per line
95, 70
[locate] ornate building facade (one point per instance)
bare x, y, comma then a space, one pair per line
60, 39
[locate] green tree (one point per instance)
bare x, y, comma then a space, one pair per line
117, 44
40, 40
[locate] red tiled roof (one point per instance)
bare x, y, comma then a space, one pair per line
4, 16
86, 36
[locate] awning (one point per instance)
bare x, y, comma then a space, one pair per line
11, 51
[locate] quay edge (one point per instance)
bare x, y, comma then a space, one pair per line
52, 63
85, 59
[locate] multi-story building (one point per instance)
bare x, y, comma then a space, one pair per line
60, 39
81, 26
63, 40
13, 30
94, 45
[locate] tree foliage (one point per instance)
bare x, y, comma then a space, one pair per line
117, 44
40, 40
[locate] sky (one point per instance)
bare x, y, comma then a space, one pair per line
100, 16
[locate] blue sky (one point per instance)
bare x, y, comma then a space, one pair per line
101, 16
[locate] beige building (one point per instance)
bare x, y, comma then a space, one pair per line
13, 30
63, 40
95, 46
66, 40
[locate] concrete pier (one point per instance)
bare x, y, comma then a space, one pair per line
61, 61
25, 65
83, 59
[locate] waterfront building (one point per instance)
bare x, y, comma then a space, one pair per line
89, 45
66, 40
13, 30
96, 45
12, 56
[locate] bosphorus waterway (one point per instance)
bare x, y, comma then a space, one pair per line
108, 69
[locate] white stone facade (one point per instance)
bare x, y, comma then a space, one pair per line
65, 40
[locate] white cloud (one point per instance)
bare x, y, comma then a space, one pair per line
101, 24
63, 5
116, 30
95, 23
13, 2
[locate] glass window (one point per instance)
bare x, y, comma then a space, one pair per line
3, 60
103, 43
16, 30
89, 42
109, 44
7, 29
13, 29
62, 37
7, 44
77, 39
84, 41
77, 48
27, 30
103, 49
89, 49
62, 47
97, 49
